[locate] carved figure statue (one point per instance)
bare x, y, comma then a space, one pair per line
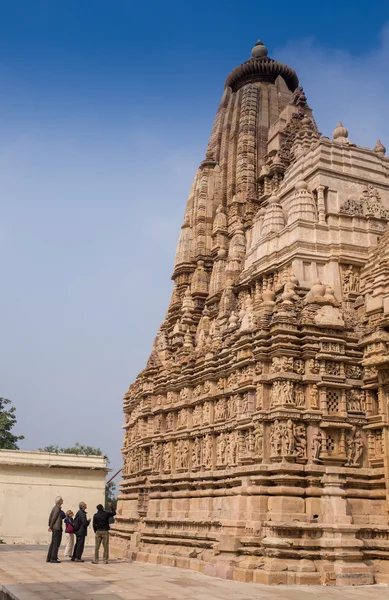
185, 454
196, 453
167, 457
258, 440
276, 438
178, 454
208, 452
196, 415
157, 456
206, 412
316, 444
300, 438
350, 281
221, 450
300, 397
314, 397
354, 447
289, 437
287, 392
358, 447
232, 449
169, 421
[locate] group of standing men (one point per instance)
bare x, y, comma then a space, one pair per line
78, 527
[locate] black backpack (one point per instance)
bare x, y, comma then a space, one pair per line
76, 524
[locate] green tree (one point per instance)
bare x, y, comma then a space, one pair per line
8, 441
110, 488
110, 495
76, 449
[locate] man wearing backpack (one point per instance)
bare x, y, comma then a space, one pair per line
101, 528
80, 526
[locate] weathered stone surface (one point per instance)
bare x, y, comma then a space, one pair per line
256, 440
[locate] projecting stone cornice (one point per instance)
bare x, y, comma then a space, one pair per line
261, 70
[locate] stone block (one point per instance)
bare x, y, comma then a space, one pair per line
286, 508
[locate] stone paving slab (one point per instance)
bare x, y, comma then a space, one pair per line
25, 575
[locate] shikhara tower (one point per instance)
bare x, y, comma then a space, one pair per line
256, 438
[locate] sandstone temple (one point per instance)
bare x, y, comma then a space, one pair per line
256, 439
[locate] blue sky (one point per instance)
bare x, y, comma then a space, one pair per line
105, 112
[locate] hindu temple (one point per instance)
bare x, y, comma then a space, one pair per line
256, 442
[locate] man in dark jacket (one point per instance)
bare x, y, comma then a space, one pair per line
81, 524
101, 528
55, 526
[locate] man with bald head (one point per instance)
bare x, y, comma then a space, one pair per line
55, 526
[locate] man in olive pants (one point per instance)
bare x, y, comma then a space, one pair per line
101, 528
55, 527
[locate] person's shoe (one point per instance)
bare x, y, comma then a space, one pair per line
78, 560
55, 561
72, 559
95, 562
105, 562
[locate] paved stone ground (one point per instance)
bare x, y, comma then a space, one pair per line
25, 575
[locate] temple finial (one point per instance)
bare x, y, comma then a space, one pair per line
259, 50
340, 133
379, 148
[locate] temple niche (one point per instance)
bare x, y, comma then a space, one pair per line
256, 439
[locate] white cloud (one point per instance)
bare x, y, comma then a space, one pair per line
353, 89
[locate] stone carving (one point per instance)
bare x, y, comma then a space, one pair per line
231, 448
276, 435
353, 399
197, 415
299, 366
299, 98
352, 207
316, 445
196, 453
300, 437
281, 393
231, 381
208, 451
231, 407
167, 458
259, 401
332, 368
157, 457
220, 409
289, 437
220, 385
300, 397
350, 280
352, 371
206, 387
206, 412
221, 447
314, 395
372, 203
354, 447
158, 423
169, 421
258, 440
197, 391
184, 394
181, 456
182, 418
281, 363
314, 366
